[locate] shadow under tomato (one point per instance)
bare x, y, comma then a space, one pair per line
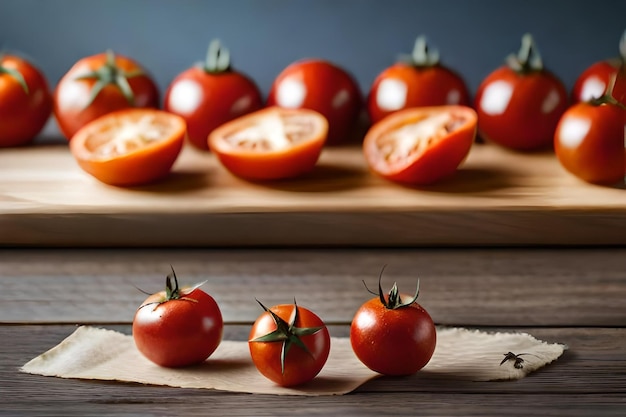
470, 181
178, 182
323, 178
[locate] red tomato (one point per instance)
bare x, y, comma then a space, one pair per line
392, 334
25, 101
97, 85
589, 141
519, 105
324, 87
179, 326
593, 82
129, 147
270, 144
289, 344
420, 145
210, 95
420, 82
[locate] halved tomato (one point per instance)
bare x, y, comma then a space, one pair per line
272, 143
420, 145
129, 147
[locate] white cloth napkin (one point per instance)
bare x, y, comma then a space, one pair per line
461, 354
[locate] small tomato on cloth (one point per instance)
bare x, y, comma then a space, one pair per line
418, 80
100, 84
179, 326
420, 145
25, 101
392, 334
520, 104
270, 144
211, 94
324, 87
289, 344
129, 147
589, 140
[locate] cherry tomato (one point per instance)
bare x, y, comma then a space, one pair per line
210, 95
179, 326
593, 82
324, 87
272, 143
97, 85
519, 105
392, 334
25, 101
129, 147
589, 140
289, 344
420, 145
419, 82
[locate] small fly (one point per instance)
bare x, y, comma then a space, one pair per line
518, 360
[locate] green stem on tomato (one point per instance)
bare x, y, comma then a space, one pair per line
528, 59
422, 56
111, 74
607, 97
217, 58
15, 74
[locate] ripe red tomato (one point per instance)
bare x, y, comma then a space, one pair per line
392, 334
25, 101
420, 145
272, 143
210, 95
519, 105
289, 344
593, 82
129, 147
179, 326
420, 81
324, 87
589, 141
97, 85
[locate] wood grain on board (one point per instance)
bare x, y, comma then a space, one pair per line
496, 198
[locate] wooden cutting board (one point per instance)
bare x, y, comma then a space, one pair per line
497, 198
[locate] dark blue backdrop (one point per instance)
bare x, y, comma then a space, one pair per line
264, 36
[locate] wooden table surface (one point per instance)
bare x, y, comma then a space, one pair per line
575, 296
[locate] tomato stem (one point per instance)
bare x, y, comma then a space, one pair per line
528, 59
622, 48
393, 300
607, 97
286, 333
217, 58
111, 74
15, 74
422, 56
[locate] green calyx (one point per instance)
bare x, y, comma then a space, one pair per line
607, 97
217, 58
173, 291
286, 333
15, 74
111, 74
527, 58
422, 56
393, 300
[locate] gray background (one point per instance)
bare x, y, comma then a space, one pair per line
264, 36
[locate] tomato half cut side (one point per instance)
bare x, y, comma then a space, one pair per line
129, 147
420, 145
271, 144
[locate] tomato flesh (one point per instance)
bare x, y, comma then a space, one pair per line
270, 144
420, 145
129, 147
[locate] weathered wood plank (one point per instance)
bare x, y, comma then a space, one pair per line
497, 198
504, 287
590, 379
